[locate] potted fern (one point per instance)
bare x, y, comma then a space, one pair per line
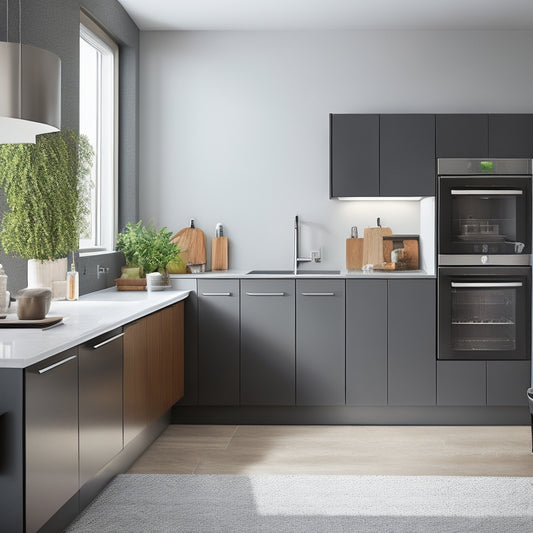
46, 186
146, 250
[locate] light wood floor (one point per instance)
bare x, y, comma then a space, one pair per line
365, 450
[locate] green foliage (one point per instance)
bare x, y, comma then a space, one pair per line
146, 247
47, 192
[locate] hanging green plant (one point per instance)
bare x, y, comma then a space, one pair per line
47, 188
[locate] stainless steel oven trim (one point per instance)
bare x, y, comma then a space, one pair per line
484, 260
467, 284
485, 192
471, 166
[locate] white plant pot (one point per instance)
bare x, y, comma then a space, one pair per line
43, 273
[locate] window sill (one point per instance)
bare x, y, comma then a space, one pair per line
89, 252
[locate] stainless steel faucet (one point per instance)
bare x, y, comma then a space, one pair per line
315, 256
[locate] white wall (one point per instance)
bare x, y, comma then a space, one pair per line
235, 125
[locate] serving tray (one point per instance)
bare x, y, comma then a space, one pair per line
42, 323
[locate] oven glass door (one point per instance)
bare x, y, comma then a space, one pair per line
484, 215
484, 316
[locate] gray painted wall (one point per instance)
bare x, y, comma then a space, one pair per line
234, 125
54, 25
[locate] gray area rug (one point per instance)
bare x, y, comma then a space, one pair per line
157, 503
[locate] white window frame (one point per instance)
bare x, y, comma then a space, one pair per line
105, 216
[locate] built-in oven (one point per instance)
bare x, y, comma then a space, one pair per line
484, 313
484, 211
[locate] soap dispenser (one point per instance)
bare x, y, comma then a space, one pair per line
73, 283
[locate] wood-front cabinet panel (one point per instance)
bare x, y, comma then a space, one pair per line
366, 342
354, 155
412, 342
407, 155
267, 342
218, 342
511, 135
461, 135
320, 345
135, 380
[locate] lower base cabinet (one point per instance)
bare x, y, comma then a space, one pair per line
483, 383
153, 378
320, 346
51, 411
267, 342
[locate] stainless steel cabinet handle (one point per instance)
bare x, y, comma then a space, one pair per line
484, 192
460, 284
265, 294
96, 346
59, 363
216, 293
318, 294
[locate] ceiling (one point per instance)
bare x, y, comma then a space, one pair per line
330, 14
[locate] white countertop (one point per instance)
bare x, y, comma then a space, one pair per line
343, 274
94, 314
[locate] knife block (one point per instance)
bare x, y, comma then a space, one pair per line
354, 254
219, 253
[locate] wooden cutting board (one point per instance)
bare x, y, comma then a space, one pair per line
354, 253
373, 245
219, 253
193, 240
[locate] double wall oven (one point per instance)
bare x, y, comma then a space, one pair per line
484, 256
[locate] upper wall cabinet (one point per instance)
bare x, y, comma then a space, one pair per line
382, 155
354, 153
407, 155
482, 135
462, 136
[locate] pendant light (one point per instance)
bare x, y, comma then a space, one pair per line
30, 89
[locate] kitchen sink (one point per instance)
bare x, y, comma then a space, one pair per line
300, 272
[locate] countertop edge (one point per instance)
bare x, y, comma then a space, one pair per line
65, 342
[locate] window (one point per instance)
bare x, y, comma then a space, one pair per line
98, 121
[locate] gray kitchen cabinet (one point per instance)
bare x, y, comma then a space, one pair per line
354, 146
267, 342
507, 382
412, 342
461, 383
462, 135
366, 342
407, 155
218, 342
511, 135
51, 398
320, 345
100, 403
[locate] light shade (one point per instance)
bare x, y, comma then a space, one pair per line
30, 92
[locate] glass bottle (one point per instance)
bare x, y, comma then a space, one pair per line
73, 283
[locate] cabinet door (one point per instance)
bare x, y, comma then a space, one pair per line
366, 342
507, 382
461, 383
462, 136
320, 345
407, 155
173, 349
51, 397
354, 155
135, 380
100, 402
412, 342
511, 135
190, 396
218, 342
267, 342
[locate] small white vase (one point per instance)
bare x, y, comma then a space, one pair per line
43, 273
